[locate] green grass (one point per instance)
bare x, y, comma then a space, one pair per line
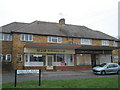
106, 82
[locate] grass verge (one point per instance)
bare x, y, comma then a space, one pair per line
101, 82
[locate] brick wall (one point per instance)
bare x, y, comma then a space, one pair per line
7, 49
64, 68
16, 47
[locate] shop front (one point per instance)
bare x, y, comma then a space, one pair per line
48, 58
93, 57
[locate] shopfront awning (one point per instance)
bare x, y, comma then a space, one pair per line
89, 47
68, 46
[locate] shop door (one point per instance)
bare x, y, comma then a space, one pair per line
49, 62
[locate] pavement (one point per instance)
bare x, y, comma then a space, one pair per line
10, 77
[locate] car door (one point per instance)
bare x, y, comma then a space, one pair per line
109, 68
112, 68
115, 68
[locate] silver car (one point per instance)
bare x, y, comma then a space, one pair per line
107, 68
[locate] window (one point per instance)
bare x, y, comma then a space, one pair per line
86, 41
6, 57
60, 57
19, 57
115, 44
66, 58
105, 42
115, 65
34, 59
52, 39
111, 66
26, 37
6, 37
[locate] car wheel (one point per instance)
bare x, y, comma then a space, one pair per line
103, 73
118, 72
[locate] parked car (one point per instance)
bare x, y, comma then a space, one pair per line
106, 68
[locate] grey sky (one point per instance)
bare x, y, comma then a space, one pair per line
99, 15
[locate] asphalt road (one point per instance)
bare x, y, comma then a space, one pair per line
10, 77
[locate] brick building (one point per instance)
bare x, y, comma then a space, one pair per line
54, 46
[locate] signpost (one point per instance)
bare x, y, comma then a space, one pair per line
27, 71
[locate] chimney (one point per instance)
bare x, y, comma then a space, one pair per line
62, 21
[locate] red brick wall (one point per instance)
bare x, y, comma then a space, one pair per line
64, 68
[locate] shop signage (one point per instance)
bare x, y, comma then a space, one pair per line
92, 52
52, 51
49, 50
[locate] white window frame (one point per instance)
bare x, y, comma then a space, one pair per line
51, 38
105, 42
115, 44
6, 57
23, 37
9, 37
86, 41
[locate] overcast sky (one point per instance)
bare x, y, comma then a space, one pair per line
101, 15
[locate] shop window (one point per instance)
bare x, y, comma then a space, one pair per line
105, 42
26, 57
86, 41
60, 58
52, 39
83, 59
66, 59
6, 57
6, 37
26, 37
34, 59
19, 58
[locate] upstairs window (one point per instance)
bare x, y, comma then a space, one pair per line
26, 37
52, 39
86, 41
115, 44
6, 37
105, 42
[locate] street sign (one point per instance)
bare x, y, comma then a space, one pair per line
27, 71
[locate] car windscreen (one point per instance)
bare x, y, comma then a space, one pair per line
103, 64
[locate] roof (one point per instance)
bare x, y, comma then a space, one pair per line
67, 46
50, 28
67, 30
12, 26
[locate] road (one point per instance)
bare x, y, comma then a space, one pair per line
10, 77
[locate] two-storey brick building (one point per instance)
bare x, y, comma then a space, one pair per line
54, 46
